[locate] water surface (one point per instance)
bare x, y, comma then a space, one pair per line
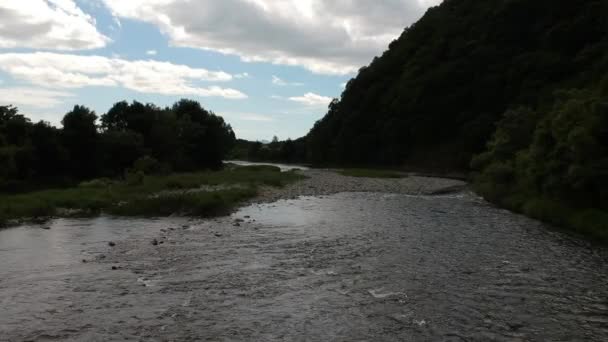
346, 267
283, 167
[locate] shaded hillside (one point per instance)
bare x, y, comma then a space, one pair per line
434, 98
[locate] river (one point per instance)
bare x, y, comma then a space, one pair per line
345, 267
283, 167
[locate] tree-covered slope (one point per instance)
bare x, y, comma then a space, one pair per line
434, 97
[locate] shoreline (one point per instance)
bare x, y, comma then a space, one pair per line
323, 182
314, 182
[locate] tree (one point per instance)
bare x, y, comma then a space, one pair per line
81, 140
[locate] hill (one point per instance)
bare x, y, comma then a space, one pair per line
434, 97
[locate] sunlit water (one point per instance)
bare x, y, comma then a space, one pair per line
283, 167
347, 267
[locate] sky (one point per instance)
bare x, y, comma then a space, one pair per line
269, 67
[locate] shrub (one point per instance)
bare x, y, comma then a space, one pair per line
96, 183
147, 165
133, 177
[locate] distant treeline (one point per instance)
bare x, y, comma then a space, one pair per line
287, 151
522, 84
130, 138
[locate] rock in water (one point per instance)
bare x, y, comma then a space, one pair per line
155, 242
111, 244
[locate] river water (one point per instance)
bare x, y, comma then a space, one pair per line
283, 167
345, 267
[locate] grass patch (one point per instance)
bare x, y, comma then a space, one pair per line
372, 173
146, 198
195, 203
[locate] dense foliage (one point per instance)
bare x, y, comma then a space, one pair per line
130, 137
553, 163
434, 97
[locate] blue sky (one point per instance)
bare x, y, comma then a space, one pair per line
269, 67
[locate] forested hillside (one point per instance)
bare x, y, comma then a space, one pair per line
434, 98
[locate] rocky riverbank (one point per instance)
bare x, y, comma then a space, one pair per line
328, 182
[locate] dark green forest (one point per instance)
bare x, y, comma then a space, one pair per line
129, 140
513, 92
288, 151
434, 97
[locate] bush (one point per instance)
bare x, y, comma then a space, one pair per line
134, 177
147, 165
97, 183
592, 222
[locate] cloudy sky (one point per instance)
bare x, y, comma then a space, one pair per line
269, 67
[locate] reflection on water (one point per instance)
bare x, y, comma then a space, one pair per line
347, 267
30, 249
283, 167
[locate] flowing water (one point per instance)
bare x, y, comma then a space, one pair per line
346, 267
283, 167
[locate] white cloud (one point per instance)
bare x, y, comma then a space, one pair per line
242, 75
117, 22
281, 83
324, 36
75, 71
33, 97
47, 24
312, 99
151, 52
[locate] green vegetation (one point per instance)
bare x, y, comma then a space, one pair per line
129, 138
372, 173
552, 165
434, 97
150, 195
288, 151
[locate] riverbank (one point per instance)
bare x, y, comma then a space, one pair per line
319, 182
590, 223
204, 193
